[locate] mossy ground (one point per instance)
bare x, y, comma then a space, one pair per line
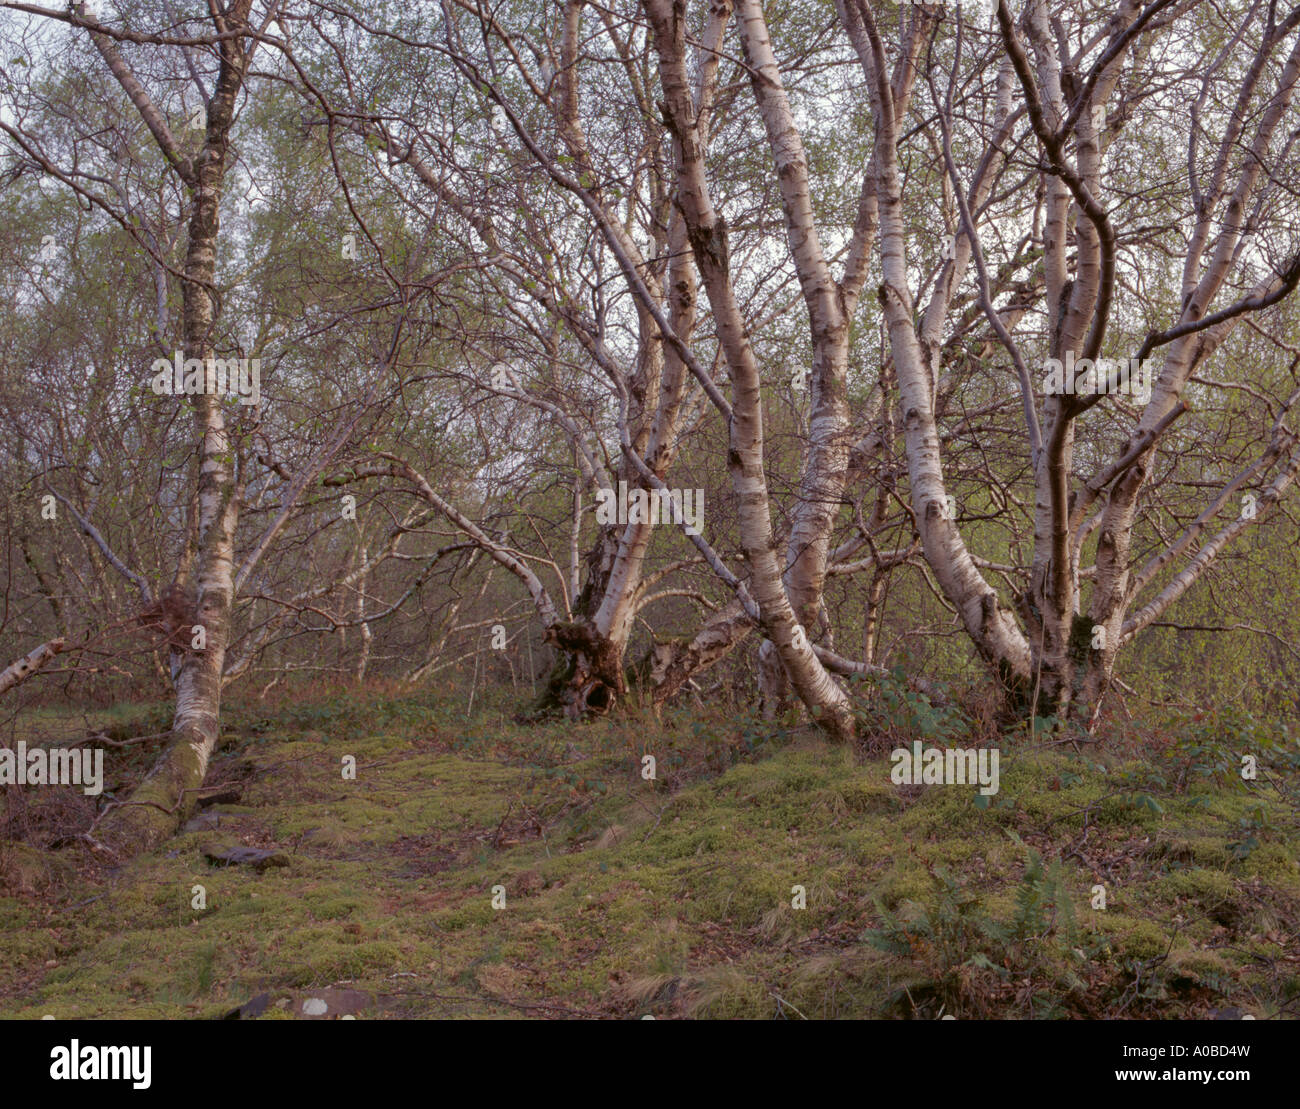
672, 897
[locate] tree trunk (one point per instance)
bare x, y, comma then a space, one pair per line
707, 234
166, 795
29, 664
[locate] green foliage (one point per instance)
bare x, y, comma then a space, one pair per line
896, 711
1043, 904
959, 935
960, 930
954, 931
1209, 745
1256, 825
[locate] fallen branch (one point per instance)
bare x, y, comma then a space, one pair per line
26, 666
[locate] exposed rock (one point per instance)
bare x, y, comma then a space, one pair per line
255, 857
252, 1008
225, 797
322, 1004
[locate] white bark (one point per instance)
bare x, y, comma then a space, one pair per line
18, 672
993, 629
159, 803
707, 233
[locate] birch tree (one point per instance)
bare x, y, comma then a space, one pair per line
1070, 80
210, 58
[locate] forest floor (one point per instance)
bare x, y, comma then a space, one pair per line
485, 868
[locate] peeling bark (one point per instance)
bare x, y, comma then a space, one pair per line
165, 796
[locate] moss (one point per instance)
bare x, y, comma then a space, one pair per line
1204, 966
864, 796
1207, 888
1272, 861
903, 884
671, 898
1132, 938
158, 805
24, 869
